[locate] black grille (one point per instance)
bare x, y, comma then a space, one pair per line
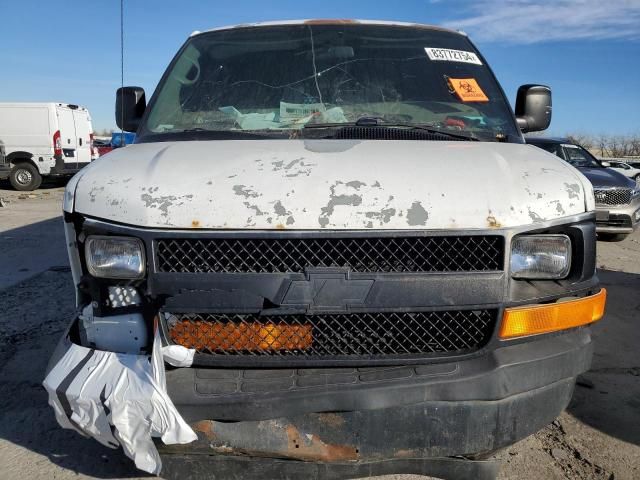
386, 133
615, 196
622, 221
353, 334
368, 254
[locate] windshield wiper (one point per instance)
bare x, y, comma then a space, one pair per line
248, 134
375, 122
198, 133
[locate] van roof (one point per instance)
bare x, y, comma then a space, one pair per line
42, 104
330, 21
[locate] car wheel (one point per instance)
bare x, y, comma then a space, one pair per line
25, 177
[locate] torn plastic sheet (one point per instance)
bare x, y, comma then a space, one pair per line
119, 400
178, 356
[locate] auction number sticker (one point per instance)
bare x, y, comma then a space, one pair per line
448, 55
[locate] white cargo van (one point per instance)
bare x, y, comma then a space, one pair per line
333, 234
43, 139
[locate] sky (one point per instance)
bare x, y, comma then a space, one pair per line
588, 51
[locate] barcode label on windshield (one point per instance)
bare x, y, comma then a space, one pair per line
448, 55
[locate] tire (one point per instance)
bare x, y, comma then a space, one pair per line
612, 237
25, 177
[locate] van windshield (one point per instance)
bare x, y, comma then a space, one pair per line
282, 79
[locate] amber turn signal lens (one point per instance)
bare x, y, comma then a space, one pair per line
533, 320
218, 336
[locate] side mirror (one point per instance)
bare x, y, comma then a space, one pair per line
533, 108
605, 164
130, 105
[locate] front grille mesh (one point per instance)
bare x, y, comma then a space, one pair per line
368, 254
326, 335
615, 196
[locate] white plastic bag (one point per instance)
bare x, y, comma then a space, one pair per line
118, 399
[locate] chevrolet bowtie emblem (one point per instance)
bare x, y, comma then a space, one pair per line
327, 291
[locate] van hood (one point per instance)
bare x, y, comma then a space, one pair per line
606, 178
328, 184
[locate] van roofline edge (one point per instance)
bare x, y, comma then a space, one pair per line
330, 21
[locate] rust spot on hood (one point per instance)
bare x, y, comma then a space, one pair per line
195, 223
492, 222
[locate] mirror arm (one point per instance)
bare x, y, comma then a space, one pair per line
523, 124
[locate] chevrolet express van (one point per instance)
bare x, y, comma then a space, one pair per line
43, 139
328, 254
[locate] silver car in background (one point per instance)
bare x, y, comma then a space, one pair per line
617, 197
624, 168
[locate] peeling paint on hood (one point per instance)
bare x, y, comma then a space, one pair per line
316, 184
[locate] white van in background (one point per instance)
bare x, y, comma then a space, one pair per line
43, 139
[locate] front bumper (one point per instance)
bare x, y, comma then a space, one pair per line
62, 168
396, 416
5, 170
618, 219
331, 417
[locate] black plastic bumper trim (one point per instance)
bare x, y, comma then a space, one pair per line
491, 376
420, 431
220, 467
5, 171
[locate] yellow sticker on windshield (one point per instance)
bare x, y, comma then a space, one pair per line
468, 89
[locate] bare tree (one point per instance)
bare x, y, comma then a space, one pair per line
602, 143
583, 139
635, 145
105, 132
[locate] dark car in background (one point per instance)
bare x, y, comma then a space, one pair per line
617, 197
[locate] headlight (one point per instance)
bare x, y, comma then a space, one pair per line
114, 257
542, 257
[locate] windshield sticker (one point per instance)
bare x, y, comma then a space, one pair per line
468, 90
448, 55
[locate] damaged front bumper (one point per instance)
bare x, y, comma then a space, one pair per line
388, 420
116, 398
422, 419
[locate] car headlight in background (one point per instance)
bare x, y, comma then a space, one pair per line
540, 257
115, 257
